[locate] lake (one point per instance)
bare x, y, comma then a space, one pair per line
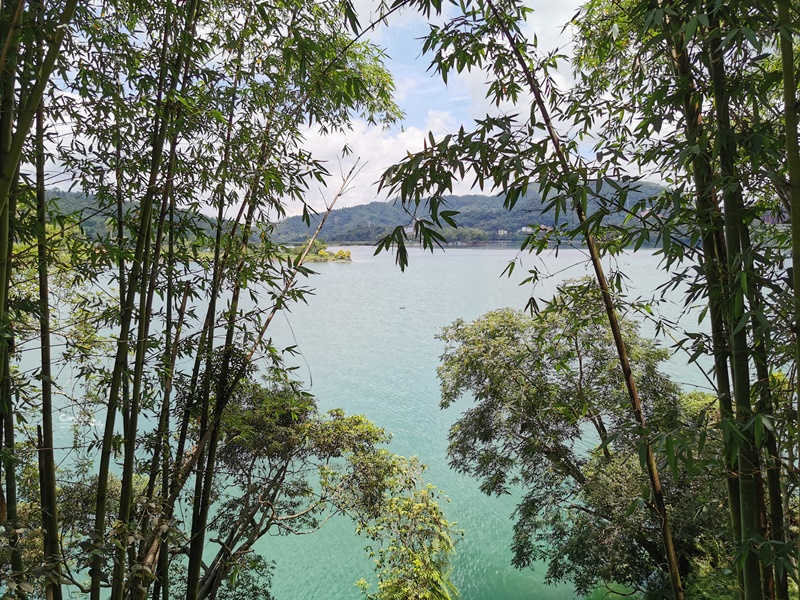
367, 345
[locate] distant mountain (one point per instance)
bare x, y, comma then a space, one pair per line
94, 218
480, 218
85, 209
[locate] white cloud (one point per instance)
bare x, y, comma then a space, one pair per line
405, 89
373, 149
430, 105
441, 122
547, 23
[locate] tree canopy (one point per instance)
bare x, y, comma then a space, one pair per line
161, 113
548, 418
704, 96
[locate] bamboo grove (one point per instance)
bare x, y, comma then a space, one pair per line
153, 332
191, 439
702, 95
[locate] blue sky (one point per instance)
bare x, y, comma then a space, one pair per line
429, 104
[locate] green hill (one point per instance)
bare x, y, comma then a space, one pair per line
95, 219
480, 218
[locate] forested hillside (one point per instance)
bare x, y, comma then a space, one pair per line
481, 218
99, 221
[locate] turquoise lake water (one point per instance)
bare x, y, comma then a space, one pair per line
368, 346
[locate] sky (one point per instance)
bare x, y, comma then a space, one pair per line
428, 104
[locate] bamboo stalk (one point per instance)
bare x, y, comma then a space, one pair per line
200, 511
747, 458
120, 360
187, 466
790, 107
52, 548
8, 80
608, 302
713, 263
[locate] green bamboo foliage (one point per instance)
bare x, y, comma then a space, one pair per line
713, 260
188, 99
137, 281
149, 241
679, 90
18, 112
732, 124
613, 319
203, 111
747, 459
454, 153
206, 115
12, 151
786, 35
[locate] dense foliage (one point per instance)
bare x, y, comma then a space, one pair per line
704, 95
549, 417
480, 219
160, 110
146, 323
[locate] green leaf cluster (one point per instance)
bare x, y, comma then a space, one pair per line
547, 420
